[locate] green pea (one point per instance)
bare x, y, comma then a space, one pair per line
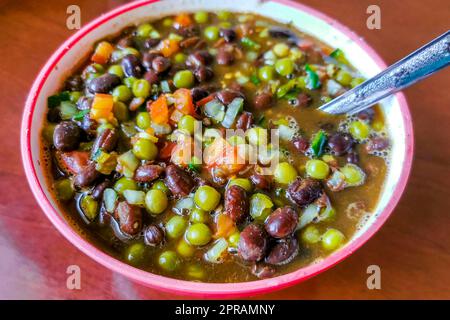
207, 198
169, 261
241, 182
260, 206
144, 30
145, 149
89, 206
223, 15
175, 227
332, 239
317, 169
74, 96
117, 70
233, 240
359, 130
129, 81
120, 111
160, 185
266, 73
284, 66
198, 234
122, 93
184, 249
187, 123
183, 79
199, 216
311, 235
125, 184
301, 82
64, 190
195, 271
156, 201
167, 22
281, 49
180, 57
344, 78
211, 33
135, 253
143, 120
285, 173
353, 174
141, 88
201, 17
356, 82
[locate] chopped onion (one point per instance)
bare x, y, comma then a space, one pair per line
215, 110
286, 133
214, 254
232, 111
309, 215
110, 199
161, 129
134, 197
333, 87
337, 181
183, 205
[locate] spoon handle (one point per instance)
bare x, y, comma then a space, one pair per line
416, 66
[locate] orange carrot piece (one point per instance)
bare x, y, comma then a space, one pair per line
159, 111
224, 226
102, 52
102, 107
183, 101
168, 47
182, 20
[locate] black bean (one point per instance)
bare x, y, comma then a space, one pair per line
106, 140
225, 56
280, 32
103, 84
147, 59
228, 34
66, 136
131, 65
148, 172
340, 143
97, 193
84, 103
301, 144
236, 203
245, 121
153, 235
227, 95
262, 271
252, 244
75, 83
203, 74
178, 181
283, 252
130, 218
304, 191
86, 177
281, 222
260, 181
161, 64
263, 101
151, 76
150, 43
198, 93
199, 58
53, 115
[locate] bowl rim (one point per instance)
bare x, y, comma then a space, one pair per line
212, 290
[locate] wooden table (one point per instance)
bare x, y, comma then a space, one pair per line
412, 248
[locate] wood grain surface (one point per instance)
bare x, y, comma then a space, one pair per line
412, 248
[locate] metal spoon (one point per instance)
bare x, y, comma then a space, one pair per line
416, 66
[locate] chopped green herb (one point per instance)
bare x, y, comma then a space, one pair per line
55, 100
80, 115
195, 164
255, 79
312, 79
318, 143
249, 43
339, 55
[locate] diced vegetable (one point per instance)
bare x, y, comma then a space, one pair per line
354, 176
339, 55
286, 133
183, 101
110, 199
105, 162
55, 100
260, 206
134, 197
102, 107
67, 110
127, 164
182, 20
318, 143
168, 47
159, 111
250, 44
89, 207
102, 52
224, 226
232, 111
310, 214
184, 205
312, 79
216, 252
215, 110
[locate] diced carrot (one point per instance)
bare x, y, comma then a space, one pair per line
176, 115
182, 20
183, 101
182, 153
159, 111
102, 107
102, 52
222, 154
168, 47
224, 226
166, 151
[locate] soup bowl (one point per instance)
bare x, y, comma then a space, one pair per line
307, 20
